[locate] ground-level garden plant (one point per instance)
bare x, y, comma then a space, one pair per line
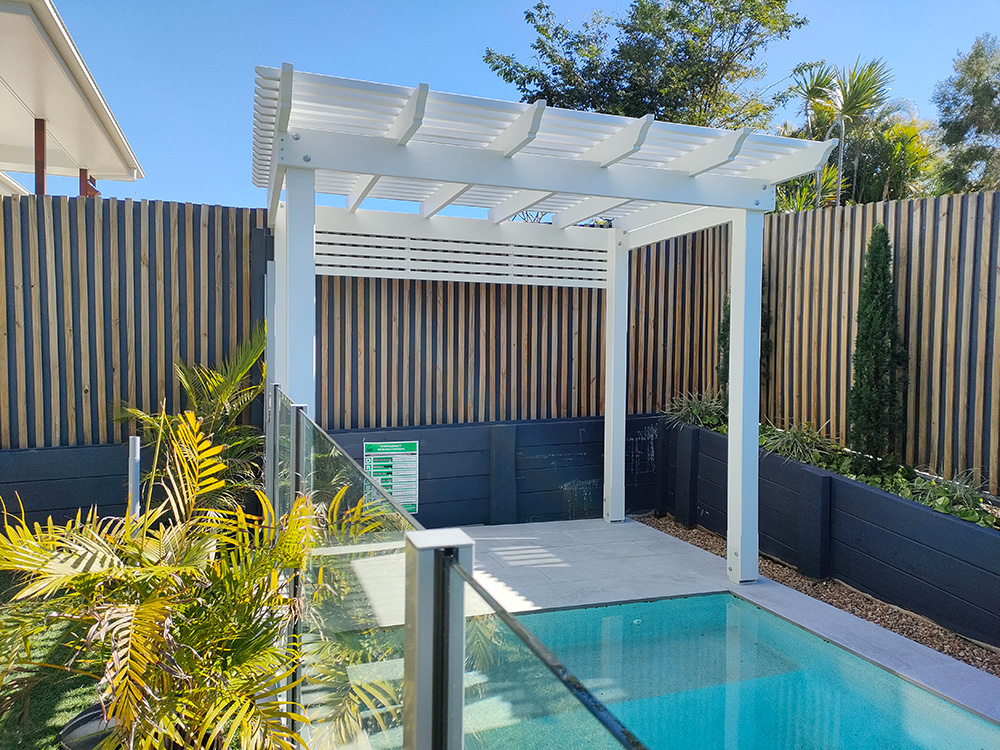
180, 615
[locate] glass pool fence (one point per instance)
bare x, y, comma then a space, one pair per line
401, 645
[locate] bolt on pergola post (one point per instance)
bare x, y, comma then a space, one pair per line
654, 180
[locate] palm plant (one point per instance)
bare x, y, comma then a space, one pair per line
218, 399
841, 99
180, 613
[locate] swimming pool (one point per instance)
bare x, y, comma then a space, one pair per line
714, 671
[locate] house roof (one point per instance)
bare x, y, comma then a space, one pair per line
42, 75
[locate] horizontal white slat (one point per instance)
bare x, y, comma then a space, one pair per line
448, 267
484, 278
445, 258
569, 255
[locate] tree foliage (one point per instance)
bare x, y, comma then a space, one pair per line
766, 344
875, 404
969, 107
885, 151
689, 61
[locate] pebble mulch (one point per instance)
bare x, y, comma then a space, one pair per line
844, 597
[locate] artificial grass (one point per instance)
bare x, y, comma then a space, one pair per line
51, 703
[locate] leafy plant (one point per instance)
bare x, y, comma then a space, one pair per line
708, 410
218, 399
875, 404
181, 613
960, 496
800, 442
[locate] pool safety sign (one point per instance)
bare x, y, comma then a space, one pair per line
395, 467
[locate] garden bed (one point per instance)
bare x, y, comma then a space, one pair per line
827, 525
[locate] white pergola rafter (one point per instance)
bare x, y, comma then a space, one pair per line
653, 180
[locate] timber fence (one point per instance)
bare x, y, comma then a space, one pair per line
99, 298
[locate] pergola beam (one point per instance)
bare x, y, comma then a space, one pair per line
276, 176
653, 215
712, 155
585, 209
442, 197
347, 152
686, 223
411, 117
620, 145
360, 191
520, 201
521, 132
796, 164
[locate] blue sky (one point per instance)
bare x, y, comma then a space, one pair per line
179, 75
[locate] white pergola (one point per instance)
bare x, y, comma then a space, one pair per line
655, 180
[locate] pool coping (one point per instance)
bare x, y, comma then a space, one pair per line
950, 679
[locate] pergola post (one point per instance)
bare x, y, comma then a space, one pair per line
299, 378
277, 325
615, 375
747, 245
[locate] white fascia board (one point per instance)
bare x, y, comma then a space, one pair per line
692, 221
360, 154
521, 132
456, 228
653, 215
620, 145
411, 117
796, 164
588, 208
364, 185
713, 154
441, 198
10, 186
520, 201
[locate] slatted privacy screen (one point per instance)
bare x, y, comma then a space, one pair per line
99, 299
413, 258
407, 351
454, 249
947, 269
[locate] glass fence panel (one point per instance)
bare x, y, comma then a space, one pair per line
352, 627
284, 471
513, 699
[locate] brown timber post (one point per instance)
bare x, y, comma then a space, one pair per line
39, 156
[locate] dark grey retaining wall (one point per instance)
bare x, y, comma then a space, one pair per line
829, 526
59, 481
467, 475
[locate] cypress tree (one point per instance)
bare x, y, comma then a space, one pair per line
722, 341
875, 404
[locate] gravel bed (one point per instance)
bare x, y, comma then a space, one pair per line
842, 596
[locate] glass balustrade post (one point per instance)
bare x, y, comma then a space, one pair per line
434, 639
271, 442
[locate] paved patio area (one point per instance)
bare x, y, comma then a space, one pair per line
578, 563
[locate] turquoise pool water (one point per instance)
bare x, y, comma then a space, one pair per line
717, 673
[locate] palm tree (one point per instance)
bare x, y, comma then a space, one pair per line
843, 98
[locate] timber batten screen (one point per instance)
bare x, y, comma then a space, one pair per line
651, 180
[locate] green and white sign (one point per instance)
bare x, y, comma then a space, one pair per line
395, 466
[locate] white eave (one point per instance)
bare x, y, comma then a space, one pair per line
506, 156
42, 75
10, 186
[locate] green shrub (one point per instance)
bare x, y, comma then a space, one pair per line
707, 410
960, 496
801, 442
875, 405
